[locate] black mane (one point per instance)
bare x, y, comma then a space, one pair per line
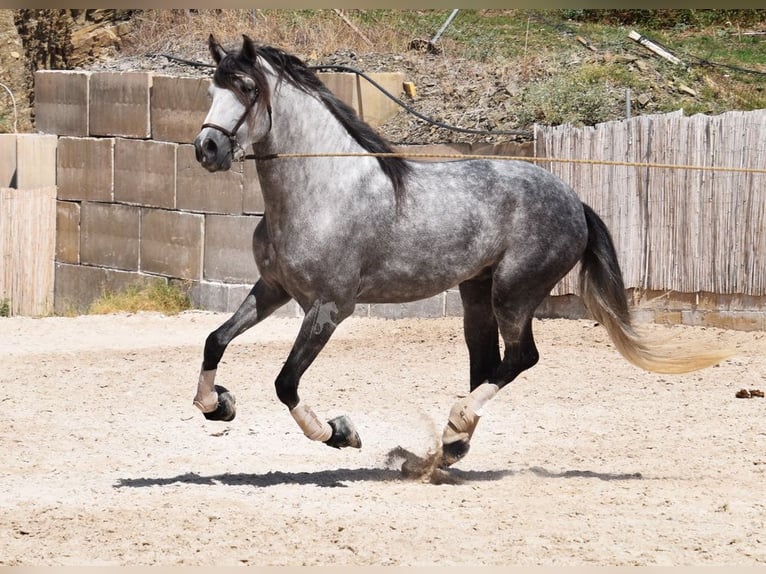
293, 70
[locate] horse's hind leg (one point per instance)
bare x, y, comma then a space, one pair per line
215, 402
513, 311
480, 329
481, 336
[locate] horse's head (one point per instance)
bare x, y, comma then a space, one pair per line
240, 112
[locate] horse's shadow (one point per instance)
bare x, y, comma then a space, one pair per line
342, 476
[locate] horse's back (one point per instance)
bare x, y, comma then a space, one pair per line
463, 217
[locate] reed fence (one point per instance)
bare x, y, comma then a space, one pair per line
27, 247
678, 229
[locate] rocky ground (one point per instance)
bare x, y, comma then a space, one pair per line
453, 91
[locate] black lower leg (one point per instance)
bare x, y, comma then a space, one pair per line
480, 329
520, 355
318, 326
262, 300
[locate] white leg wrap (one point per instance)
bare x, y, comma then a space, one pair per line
310, 424
481, 395
206, 399
465, 414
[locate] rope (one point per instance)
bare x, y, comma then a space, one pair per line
457, 156
471, 131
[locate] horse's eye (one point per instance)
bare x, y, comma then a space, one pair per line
248, 87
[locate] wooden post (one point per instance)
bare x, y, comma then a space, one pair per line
647, 43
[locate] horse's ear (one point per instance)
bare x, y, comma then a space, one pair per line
216, 51
248, 48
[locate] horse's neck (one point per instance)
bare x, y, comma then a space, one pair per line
302, 124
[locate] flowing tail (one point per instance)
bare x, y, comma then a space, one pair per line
603, 292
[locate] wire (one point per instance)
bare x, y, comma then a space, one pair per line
418, 114
15, 113
409, 109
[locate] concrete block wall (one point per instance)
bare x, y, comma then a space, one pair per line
133, 205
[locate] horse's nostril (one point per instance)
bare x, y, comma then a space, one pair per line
210, 147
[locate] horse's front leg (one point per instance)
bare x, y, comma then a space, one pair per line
215, 402
318, 326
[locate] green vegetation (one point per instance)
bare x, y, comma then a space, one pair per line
157, 296
5, 308
559, 79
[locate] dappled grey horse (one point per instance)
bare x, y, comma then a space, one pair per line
347, 222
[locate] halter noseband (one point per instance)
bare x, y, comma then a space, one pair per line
231, 134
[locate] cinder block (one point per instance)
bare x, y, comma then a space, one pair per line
199, 190
119, 104
343, 85
218, 297
229, 248
641, 316
171, 243
430, 308
434, 152
86, 169
178, 107
453, 304
78, 286
35, 161
513, 149
8, 160
61, 102
562, 307
374, 106
667, 317
67, 232
253, 196
227, 297
109, 235
145, 173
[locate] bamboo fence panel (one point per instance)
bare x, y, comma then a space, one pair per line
27, 249
674, 228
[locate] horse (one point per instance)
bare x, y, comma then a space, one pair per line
347, 221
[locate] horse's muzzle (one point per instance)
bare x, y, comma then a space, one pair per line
213, 150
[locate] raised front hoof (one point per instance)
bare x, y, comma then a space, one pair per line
453, 452
226, 409
343, 433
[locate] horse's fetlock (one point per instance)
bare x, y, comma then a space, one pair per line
310, 424
207, 402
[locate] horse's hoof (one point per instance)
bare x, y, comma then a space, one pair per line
453, 452
343, 433
226, 409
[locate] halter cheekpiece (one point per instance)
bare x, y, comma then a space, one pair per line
231, 134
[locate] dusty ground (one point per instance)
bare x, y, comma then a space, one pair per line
584, 460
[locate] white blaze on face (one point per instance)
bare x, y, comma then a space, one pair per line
225, 111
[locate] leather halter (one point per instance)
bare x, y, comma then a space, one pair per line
231, 134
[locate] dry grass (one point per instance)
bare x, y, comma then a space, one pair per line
301, 31
158, 296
